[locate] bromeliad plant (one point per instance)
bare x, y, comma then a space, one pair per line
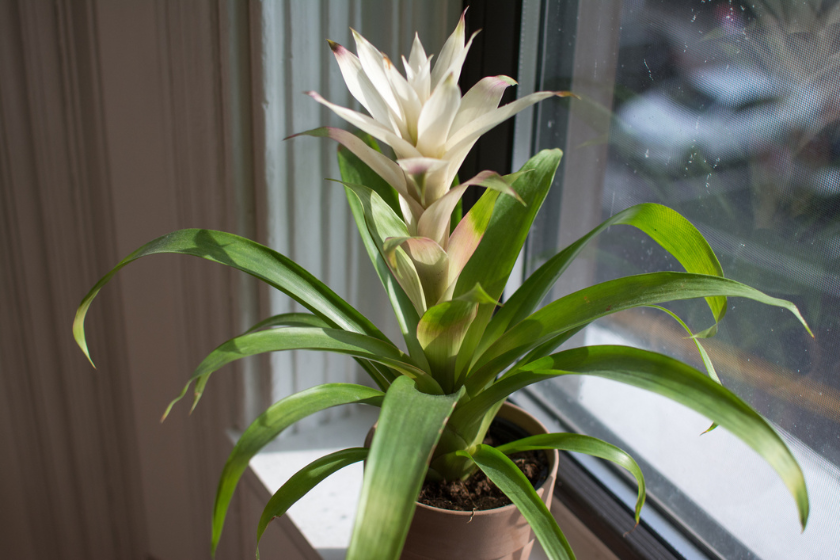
443, 277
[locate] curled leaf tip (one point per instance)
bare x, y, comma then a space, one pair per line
195, 402
709, 429
631, 530
169, 409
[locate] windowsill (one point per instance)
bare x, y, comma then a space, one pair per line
325, 515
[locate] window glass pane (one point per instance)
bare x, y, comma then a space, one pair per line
726, 111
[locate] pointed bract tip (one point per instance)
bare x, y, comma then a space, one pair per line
315, 95
566, 94
334, 47
450, 79
508, 80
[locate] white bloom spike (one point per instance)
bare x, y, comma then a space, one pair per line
431, 129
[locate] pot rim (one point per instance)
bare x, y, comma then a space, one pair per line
553, 458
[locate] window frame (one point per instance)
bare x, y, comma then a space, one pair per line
599, 495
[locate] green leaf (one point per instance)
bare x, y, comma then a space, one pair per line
381, 374
289, 320
665, 226
596, 301
383, 224
467, 236
269, 424
441, 331
551, 345
665, 376
305, 480
582, 444
247, 256
477, 295
431, 263
304, 338
506, 475
409, 427
381, 219
493, 260
407, 316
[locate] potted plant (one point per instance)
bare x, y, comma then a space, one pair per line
466, 353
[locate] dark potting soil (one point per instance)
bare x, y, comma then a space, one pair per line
478, 493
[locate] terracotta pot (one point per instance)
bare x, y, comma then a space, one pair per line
494, 534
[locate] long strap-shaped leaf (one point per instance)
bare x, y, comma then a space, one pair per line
665, 226
384, 224
248, 256
506, 475
269, 424
603, 299
552, 344
495, 256
580, 443
381, 374
304, 338
665, 376
408, 429
305, 480
353, 170
290, 320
